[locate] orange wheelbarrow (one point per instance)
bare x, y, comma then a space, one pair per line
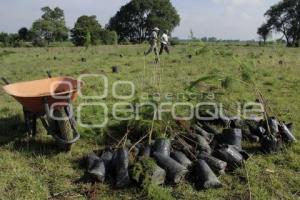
49, 100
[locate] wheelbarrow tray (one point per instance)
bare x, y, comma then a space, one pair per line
32, 94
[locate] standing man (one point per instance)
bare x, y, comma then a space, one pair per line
153, 42
164, 43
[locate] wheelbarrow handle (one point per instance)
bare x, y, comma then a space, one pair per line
5, 81
49, 74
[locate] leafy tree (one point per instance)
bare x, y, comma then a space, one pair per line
14, 40
284, 17
212, 39
137, 18
51, 26
83, 26
88, 40
204, 39
264, 31
39, 42
175, 41
109, 37
4, 38
24, 34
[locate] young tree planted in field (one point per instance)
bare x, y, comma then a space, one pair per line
284, 17
51, 26
135, 19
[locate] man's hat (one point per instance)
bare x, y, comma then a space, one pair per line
156, 29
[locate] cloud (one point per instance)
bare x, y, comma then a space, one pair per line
237, 3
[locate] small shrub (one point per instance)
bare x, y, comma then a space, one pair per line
142, 173
143, 170
174, 41
125, 42
156, 192
28, 45
109, 37
202, 50
246, 72
39, 42
254, 55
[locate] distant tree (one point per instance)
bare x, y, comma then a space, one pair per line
51, 26
212, 39
175, 41
284, 17
24, 34
108, 37
204, 39
4, 38
138, 17
14, 40
88, 39
39, 42
83, 26
191, 36
264, 32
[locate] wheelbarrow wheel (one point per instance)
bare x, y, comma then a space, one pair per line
62, 128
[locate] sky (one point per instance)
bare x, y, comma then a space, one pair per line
224, 19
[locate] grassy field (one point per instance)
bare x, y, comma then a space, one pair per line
32, 169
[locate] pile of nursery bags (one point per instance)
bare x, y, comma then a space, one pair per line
201, 153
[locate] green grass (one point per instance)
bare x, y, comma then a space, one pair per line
33, 169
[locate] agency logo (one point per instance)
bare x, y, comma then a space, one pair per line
124, 108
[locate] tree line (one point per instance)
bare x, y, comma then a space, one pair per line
135, 20
51, 27
131, 24
284, 18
